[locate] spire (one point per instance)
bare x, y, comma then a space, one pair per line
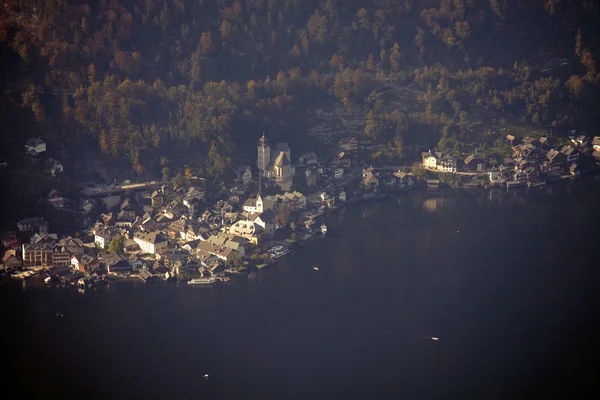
263, 141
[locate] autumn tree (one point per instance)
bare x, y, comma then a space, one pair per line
91, 73
251, 89
370, 62
206, 44
117, 245
395, 58
284, 215
587, 60
317, 27
575, 86
295, 51
362, 16
337, 61
225, 29
578, 42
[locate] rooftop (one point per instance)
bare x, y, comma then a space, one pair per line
152, 237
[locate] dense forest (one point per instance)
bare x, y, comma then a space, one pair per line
171, 85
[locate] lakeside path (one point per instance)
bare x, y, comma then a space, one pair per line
456, 173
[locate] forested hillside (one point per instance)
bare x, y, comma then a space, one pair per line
164, 85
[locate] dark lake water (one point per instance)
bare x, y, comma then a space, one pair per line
508, 283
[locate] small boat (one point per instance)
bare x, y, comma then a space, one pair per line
201, 281
205, 376
324, 228
435, 338
316, 268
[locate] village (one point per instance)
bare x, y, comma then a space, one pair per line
534, 162
202, 234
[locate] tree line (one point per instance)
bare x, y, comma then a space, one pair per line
172, 86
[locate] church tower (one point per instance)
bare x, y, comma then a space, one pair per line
264, 154
259, 199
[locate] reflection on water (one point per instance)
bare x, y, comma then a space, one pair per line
370, 210
339, 215
438, 204
494, 195
444, 199
430, 205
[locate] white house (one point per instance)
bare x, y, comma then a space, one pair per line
494, 175
257, 205
35, 146
102, 238
254, 205
136, 262
31, 224
152, 243
75, 262
447, 164
339, 172
266, 221
430, 160
243, 228
244, 174
84, 263
436, 161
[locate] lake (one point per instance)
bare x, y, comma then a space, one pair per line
508, 283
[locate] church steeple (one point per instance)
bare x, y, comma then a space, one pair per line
259, 200
263, 141
259, 194
264, 154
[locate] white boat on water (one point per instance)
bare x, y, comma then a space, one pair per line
201, 281
324, 228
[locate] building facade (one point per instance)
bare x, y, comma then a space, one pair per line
151, 243
37, 254
275, 164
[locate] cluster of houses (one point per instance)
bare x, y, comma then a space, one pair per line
164, 234
35, 149
196, 230
192, 230
533, 161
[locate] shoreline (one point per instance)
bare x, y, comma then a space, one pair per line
417, 187
34, 276
503, 185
